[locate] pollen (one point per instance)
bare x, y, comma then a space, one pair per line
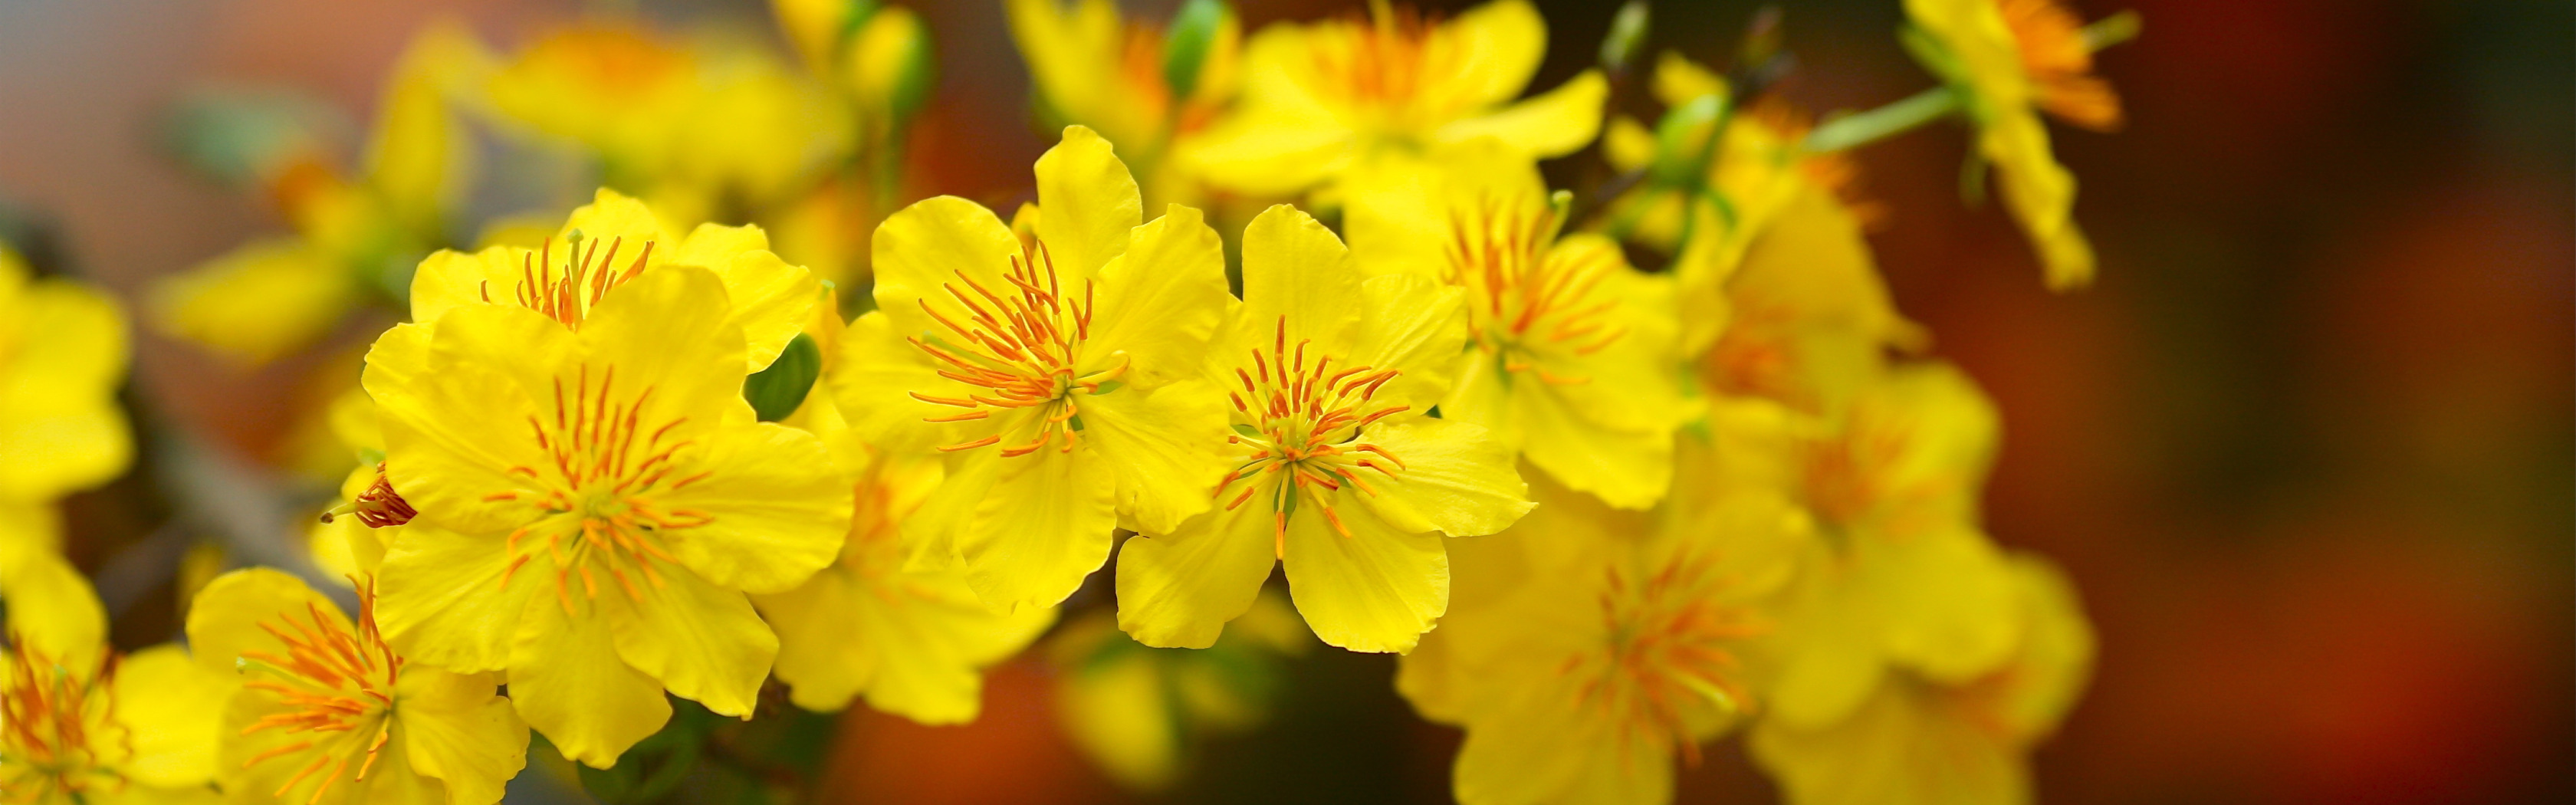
1303, 424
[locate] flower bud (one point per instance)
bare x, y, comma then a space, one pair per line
1195, 30
1627, 36
819, 28
889, 65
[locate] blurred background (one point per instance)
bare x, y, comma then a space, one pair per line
2306, 447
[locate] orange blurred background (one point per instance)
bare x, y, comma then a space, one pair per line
2306, 447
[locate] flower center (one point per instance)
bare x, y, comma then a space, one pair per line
586, 277
1020, 348
336, 689
1842, 476
60, 739
598, 500
1302, 427
1383, 65
1524, 296
2059, 61
378, 507
1670, 651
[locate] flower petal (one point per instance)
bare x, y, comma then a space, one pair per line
50, 606
1454, 478
1044, 526
932, 243
1416, 326
777, 510
669, 331
1161, 298
1163, 446
173, 712
60, 428
1555, 124
567, 681
224, 619
1178, 590
440, 598
1087, 202
1376, 590
458, 730
1297, 271
771, 299
704, 642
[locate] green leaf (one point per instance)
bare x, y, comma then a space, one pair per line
776, 391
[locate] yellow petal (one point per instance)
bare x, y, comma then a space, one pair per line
224, 619
1295, 271
668, 330
1826, 649
50, 607
1493, 50
1554, 124
778, 511
441, 454
257, 302
875, 381
1045, 525
1161, 298
771, 299
1090, 202
703, 642
566, 680
172, 711
60, 429
613, 216
1903, 745
934, 242
458, 730
1946, 601
440, 599
1454, 479
1415, 325
1630, 469
2055, 660
1268, 153
1163, 446
1377, 590
1118, 713
2041, 195
1178, 590
1678, 80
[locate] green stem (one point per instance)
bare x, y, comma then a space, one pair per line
1855, 130
2111, 30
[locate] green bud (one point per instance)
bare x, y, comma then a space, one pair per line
1194, 31
1626, 38
1681, 140
890, 64
776, 391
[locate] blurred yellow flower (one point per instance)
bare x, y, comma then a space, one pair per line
1904, 579
608, 243
1338, 475
1572, 355
648, 108
915, 643
86, 725
2009, 60
1619, 645
274, 296
1807, 319
1916, 740
1322, 98
1137, 712
1143, 86
624, 457
62, 355
328, 713
1058, 373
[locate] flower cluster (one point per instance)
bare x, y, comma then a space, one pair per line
1618, 468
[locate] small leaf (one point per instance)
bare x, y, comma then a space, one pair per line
775, 392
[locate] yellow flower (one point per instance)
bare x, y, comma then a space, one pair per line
328, 713
915, 643
1807, 320
2009, 60
646, 108
62, 353
1092, 68
1918, 740
85, 725
1571, 354
1322, 98
1610, 643
271, 297
1058, 373
1904, 578
1338, 473
1137, 712
592, 506
609, 243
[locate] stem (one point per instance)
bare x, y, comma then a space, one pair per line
2111, 30
1863, 128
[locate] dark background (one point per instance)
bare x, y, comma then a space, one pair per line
2306, 446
